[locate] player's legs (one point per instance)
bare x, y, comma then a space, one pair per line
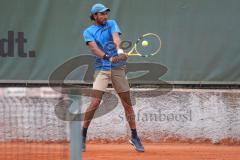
120, 83
96, 99
129, 112
101, 80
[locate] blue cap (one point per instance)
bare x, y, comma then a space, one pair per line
99, 8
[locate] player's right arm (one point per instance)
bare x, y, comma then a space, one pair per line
90, 41
95, 50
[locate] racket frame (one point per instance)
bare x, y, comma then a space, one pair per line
134, 52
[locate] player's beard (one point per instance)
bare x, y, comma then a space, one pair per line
101, 22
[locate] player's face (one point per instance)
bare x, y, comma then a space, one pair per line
101, 18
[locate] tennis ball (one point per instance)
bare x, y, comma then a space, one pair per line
144, 43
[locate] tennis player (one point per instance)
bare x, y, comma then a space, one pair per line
109, 65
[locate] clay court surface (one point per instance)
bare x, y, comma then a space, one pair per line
163, 151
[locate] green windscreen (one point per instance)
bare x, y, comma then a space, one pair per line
200, 38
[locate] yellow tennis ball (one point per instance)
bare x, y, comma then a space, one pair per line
144, 43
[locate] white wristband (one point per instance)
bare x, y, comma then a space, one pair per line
120, 51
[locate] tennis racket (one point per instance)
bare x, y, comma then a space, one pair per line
152, 47
147, 45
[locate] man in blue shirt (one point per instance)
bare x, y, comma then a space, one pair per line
110, 64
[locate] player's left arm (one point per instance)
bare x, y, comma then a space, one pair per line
116, 32
121, 55
116, 40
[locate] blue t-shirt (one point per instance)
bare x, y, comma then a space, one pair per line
102, 35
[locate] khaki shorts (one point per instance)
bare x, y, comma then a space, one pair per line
117, 76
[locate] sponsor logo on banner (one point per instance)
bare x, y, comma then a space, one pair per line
14, 46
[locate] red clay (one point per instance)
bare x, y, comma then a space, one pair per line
34, 151
121, 151
162, 152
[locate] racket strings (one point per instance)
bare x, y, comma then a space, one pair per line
153, 47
